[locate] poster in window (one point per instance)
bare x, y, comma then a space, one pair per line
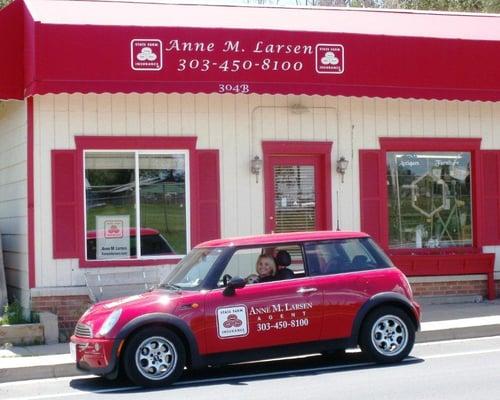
113, 237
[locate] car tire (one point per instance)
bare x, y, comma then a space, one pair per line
387, 334
154, 357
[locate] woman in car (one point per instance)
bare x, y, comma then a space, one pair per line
266, 269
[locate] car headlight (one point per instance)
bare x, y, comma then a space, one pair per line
110, 322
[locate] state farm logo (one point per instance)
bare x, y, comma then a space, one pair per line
113, 229
329, 59
232, 321
146, 54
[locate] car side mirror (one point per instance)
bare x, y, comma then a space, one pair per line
233, 284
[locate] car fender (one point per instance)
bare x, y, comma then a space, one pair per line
178, 326
376, 301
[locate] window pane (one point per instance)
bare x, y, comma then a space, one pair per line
429, 197
110, 205
163, 204
346, 255
295, 200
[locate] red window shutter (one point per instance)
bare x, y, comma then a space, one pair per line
371, 194
64, 204
208, 196
490, 183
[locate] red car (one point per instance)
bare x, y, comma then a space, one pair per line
327, 291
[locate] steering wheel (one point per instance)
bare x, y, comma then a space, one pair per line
225, 279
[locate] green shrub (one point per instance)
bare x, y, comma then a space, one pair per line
13, 315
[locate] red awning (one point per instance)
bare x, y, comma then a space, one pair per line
61, 46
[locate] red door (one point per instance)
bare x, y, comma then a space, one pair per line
263, 315
296, 193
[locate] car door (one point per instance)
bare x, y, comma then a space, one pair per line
262, 314
344, 289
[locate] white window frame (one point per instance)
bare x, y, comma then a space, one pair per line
187, 208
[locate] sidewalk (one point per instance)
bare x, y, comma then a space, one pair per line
439, 322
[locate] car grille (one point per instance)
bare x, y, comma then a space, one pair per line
83, 330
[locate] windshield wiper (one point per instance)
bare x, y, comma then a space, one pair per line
170, 286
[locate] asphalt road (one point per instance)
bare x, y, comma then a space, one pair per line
461, 369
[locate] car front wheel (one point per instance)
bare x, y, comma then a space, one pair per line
154, 357
387, 335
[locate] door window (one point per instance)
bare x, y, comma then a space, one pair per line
285, 262
294, 198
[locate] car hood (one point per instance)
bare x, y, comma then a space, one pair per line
157, 301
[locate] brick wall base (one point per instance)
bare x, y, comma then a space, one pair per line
68, 309
477, 288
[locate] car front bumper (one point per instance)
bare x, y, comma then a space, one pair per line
97, 356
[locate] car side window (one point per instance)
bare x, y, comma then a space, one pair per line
286, 262
359, 256
241, 264
289, 258
340, 256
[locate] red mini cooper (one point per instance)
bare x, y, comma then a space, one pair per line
258, 297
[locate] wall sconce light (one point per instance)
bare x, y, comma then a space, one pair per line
342, 164
255, 167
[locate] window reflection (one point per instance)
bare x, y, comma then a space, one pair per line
429, 199
112, 205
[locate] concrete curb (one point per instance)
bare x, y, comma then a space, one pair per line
457, 333
38, 372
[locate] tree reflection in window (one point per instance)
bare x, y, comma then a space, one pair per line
429, 198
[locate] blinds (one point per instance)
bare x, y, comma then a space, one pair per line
294, 198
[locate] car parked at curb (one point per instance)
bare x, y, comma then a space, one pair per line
329, 291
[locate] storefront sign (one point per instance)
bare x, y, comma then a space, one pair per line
230, 59
113, 237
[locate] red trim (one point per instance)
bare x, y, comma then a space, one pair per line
64, 204
429, 144
206, 189
372, 210
293, 150
128, 143
31, 195
435, 144
490, 197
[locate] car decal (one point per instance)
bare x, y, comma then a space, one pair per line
232, 321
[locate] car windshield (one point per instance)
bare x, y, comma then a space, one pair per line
192, 270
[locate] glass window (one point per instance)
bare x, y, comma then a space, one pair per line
346, 255
429, 197
294, 198
265, 264
192, 270
135, 197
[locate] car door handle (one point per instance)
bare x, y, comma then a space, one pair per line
307, 290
